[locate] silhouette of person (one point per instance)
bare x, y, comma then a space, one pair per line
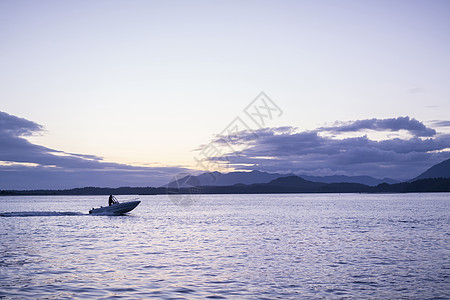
112, 200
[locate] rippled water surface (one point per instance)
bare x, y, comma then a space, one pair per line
286, 246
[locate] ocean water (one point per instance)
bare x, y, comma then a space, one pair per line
287, 246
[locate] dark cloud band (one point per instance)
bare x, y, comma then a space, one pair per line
285, 149
411, 125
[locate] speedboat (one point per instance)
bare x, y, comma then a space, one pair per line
116, 208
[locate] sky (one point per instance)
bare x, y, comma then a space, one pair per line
116, 93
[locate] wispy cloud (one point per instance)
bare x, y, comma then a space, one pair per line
440, 123
286, 149
413, 126
27, 165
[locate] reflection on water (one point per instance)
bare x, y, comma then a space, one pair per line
228, 246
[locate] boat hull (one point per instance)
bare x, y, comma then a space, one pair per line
115, 209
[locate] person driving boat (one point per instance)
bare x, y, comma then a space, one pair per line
112, 200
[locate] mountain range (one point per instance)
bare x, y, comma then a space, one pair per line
232, 178
367, 180
295, 184
435, 179
254, 177
225, 179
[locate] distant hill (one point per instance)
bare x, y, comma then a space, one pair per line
441, 170
247, 178
298, 184
291, 181
289, 184
367, 180
295, 184
435, 179
90, 191
227, 179
417, 186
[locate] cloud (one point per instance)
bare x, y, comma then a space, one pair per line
413, 126
285, 149
24, 165
440, 123
15, 126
